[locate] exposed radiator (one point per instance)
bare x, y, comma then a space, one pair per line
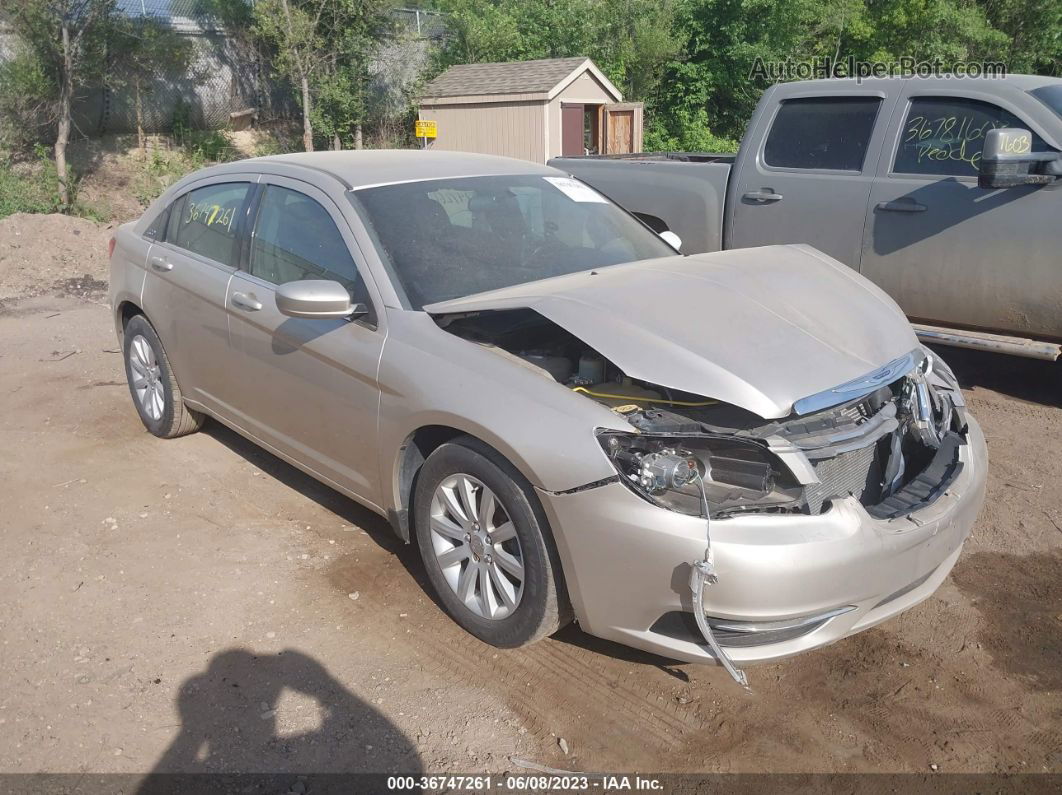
840, 476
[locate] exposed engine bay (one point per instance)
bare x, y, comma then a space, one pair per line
894, 446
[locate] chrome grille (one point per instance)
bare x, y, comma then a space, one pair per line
840, 476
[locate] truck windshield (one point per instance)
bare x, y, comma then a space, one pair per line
449, 238
1051, 96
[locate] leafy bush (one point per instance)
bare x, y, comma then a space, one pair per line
201, 146
25, 100
691, 135
29, 187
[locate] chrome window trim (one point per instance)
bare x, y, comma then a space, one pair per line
861, 386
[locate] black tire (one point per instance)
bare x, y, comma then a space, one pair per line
544, 607
175, 419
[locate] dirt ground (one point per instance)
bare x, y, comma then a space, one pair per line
198, 605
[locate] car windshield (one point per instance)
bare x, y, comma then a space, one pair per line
449, 238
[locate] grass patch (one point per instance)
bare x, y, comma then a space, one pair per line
32, 186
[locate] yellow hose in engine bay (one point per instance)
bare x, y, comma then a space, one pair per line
634, 399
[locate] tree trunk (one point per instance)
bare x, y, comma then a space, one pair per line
62, 136
307, 127
358, 142
337, 144
139, 101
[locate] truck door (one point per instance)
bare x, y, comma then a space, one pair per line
807, 180
948, 251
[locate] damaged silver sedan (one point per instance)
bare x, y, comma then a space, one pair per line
728, 457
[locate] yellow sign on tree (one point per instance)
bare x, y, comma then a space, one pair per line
426, 129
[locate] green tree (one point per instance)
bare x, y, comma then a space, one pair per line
1034, 30
323, 47
630, 40
293, 28
726, 37
146, 48
63, 50
341, 88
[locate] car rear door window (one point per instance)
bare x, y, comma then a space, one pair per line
295, 238
944, 136
158, 225
205, 220
822, 133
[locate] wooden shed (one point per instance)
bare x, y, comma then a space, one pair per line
532, 110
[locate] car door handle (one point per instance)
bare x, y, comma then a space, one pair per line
901, 206
763, 196
160, 264
244, 301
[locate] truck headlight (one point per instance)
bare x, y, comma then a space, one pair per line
738, 475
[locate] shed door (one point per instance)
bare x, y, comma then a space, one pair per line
572, 130
622, 123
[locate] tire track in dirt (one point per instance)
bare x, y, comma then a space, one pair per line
551, 685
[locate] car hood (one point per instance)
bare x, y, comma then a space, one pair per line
758, 328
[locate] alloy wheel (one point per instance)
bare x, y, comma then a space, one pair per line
146, 377
476, 546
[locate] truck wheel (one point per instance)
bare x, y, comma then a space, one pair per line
155, 392
486, 546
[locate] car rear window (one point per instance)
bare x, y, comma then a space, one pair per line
204, 221
822, 133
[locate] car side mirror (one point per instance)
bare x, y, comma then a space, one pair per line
671, 239
317, 298
1008, 160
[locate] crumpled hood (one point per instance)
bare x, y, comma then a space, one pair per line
759, 328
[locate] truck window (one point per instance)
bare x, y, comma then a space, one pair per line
944, 136
825, 133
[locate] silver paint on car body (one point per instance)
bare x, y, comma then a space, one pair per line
315, 298
756, 328
760, 328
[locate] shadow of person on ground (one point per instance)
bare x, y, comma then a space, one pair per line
231, 727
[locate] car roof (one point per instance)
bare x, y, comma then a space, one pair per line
359, 169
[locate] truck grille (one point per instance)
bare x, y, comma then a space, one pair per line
847, 473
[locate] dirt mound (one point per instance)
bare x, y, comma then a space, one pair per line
52, 253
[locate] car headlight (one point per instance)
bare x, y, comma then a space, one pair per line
668, 471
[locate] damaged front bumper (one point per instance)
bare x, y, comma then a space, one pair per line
787, 582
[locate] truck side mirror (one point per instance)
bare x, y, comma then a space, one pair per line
1008, 160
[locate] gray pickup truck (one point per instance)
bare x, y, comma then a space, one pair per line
947, 193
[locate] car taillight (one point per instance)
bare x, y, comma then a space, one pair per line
110, 248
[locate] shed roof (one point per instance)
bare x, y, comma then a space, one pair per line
542, 77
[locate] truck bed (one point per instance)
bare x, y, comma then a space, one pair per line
687, 188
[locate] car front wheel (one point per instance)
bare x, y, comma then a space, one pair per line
486, 546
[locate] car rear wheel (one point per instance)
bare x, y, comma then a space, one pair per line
156, 394
486, 546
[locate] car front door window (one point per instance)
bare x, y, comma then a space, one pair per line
295, 238
944, 136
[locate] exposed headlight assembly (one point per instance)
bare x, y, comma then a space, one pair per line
737, 474
934, 398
